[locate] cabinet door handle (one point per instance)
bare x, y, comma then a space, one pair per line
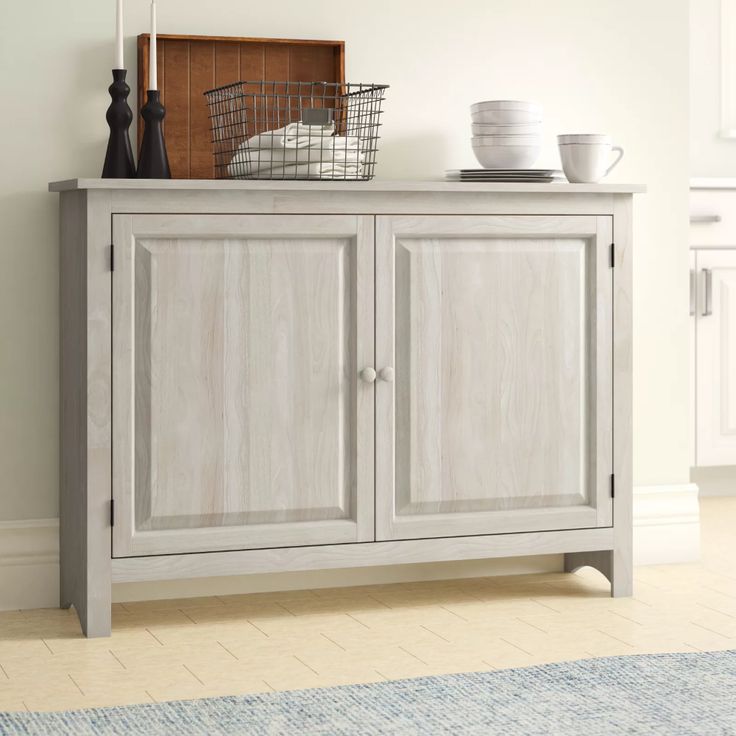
368, 374
693, 291
386, 374
704, 218
708, 292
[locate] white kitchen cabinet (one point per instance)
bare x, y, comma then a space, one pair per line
261, 377
713, 314
693, 433
716, 357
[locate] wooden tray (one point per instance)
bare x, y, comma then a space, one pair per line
190, 65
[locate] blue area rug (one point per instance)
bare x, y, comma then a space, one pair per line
683, 694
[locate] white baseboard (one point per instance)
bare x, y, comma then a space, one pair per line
666, 529
29, 564
715, 481
666, 524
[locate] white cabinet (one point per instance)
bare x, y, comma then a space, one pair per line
499, 334
713, 321
715, 370
239, 420
283, 376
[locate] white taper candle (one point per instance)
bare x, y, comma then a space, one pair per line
152, 68
119, 60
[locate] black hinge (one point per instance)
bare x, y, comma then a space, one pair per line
112, 256
612, 255
613, 486
112, 512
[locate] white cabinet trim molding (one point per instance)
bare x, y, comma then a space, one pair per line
666, 524
29, 542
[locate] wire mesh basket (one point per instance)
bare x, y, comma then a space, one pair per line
295, 130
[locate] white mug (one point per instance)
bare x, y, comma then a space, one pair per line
585, 158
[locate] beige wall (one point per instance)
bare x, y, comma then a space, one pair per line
619, 66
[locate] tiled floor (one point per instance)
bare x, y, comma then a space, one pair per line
239, 644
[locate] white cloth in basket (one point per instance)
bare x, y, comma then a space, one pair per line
298, 151
250, 161
324, 170
299, 135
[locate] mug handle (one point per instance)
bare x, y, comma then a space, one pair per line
618, 158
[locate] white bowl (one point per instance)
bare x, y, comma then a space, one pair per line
506, 112
506, 140
505, 105
486, 129
506, 117
506, 157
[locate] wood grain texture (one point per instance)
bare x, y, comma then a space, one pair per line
623, 370
501, 421
245, 424
86, 315
228, 62
99, 413
190, 65
175, 83
491, 397
86, 442
202, 77
170, 567
405, 186
72, 391
600, 328
354, 202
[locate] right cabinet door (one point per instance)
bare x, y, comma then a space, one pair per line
494, 398
716, 357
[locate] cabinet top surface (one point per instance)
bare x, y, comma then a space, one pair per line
375, 185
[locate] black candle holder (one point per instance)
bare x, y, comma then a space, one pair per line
119, 162
153, 162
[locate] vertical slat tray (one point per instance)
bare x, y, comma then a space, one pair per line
190, 65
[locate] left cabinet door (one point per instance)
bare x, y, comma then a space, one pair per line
239, 417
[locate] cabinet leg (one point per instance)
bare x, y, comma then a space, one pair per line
97, 619
613, 566
94, 612
67, 586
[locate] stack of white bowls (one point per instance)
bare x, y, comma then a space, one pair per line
506, 133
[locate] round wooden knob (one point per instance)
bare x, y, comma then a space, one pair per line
386, 374
368, 375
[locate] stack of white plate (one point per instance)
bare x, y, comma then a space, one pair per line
507, 134
519, 176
